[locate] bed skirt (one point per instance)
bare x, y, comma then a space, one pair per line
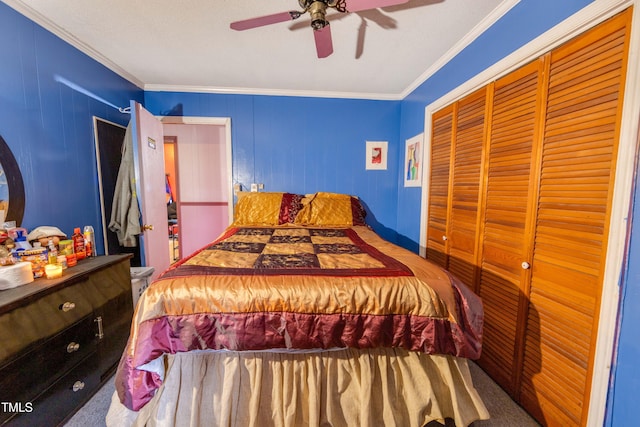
373, 387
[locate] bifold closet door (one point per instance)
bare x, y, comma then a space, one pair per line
456, 166
506, 227
547, 171
579, 150
438, 208
464, 187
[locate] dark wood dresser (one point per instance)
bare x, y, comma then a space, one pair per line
61, 339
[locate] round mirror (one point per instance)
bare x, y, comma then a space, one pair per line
11, 186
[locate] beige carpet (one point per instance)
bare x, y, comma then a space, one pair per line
504, 411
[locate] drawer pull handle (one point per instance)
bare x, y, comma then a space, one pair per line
100, 333
67, 306
77, 386
73, 346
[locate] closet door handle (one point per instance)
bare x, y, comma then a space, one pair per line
444, 238
525, 265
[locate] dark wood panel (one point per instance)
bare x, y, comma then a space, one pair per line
23, 379
58, 402
48, 349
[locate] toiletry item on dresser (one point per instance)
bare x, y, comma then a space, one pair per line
78, 244
19, 236
89, 241
53, 252
65, 247
62, 261
72, 260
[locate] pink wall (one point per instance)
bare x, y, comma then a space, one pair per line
202, 184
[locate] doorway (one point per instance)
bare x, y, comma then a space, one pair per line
198, 181
171, 176
108, 138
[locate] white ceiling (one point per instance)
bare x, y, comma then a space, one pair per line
188, 45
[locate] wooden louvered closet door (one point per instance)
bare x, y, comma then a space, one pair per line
541, 188
584, 104
465, 185
442, 132
506, 234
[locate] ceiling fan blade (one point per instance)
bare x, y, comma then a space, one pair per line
358, 5
324, 44
261, 21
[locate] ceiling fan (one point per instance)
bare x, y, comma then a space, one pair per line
317, 9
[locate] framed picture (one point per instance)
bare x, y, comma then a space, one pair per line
413, 162
376, 155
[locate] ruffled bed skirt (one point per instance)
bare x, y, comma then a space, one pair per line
376, 387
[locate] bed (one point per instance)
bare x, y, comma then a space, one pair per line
300, 315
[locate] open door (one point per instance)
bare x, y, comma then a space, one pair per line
148, 152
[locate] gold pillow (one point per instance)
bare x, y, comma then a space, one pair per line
255, 208
331, 209
324, 195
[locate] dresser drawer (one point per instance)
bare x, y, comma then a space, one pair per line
25, 377
41, 319
59, 401
49, 342
109, 284
117, 316
112, 301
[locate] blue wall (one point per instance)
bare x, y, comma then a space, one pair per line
290, 144
49, 127
304, 145
622, 405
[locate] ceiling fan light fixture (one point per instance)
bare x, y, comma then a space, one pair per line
318, 11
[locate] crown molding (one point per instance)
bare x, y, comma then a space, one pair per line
475, 32
589, 16
272, 92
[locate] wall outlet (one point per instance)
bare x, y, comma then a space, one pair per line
237, 188
261, 186
254, 187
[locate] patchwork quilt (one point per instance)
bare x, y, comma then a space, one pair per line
290, 288
275, 251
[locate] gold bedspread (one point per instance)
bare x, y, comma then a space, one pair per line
297, 288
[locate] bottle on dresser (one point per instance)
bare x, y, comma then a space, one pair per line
89, 241
78, 244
